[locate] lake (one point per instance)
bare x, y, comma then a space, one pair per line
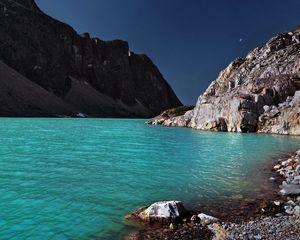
78, 178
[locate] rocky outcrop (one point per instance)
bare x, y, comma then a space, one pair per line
282, 119
95, 77
255, 93
169, 114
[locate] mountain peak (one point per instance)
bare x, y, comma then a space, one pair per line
95, 77
26, 4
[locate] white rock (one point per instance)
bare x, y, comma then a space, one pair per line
296, 97
81, 115
297, 211
291, 203
277, 203
266, 108
289, 210
285, 163
277, 167
207, 219
165, 210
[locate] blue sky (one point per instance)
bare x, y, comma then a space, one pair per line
190, 41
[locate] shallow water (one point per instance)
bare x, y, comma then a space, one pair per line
77, 178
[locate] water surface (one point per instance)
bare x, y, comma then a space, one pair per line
77, 178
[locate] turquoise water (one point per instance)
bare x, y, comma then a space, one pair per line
77, 178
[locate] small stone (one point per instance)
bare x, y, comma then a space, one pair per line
276, 167
195, 219
277, 203
206, 219
266, 108
258, 237
289, 210
291, 203
172, 226
185, 220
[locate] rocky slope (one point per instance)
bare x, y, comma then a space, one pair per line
257, 93
94, 77
20, 97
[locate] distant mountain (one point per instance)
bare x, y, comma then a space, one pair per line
83, 74
258, 93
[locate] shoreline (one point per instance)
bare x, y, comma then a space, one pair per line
243, 218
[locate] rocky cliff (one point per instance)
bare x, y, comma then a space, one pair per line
258, 93
93, 77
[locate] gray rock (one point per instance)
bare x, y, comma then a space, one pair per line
296, 211
289, 210
288, 189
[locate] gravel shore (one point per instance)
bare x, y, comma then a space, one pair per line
275, 228
284, 225
277, 219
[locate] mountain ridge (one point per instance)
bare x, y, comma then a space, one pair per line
53, 55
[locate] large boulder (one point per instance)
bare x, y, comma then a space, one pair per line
164, 212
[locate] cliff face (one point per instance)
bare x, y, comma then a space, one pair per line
257, 93
95, 77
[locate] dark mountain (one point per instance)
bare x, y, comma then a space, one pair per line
21, 97
93, 77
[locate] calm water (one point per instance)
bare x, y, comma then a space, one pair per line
77, 178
